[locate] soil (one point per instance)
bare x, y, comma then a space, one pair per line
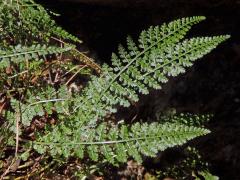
212, 85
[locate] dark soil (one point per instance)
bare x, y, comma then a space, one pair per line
212, 85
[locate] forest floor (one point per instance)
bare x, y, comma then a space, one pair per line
211, 86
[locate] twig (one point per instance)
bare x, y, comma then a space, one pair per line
2, 107
8, 169
71, 78
87, 60
15, 75
18, 118
34, 172
27, 164
75, 67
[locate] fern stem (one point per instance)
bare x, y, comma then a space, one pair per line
74, 75
87, 60
22, 53
46, 101
15, 75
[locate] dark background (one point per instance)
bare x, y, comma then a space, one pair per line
212, 85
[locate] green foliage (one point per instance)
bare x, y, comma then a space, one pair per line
185, 118
27, 32
147, 68
20, 53
29, 51
135, 70
24, 22
117, 143
32, 52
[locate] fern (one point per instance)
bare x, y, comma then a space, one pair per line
30, 47
21, 53
38, 16
33, 23
150, 67
117, 143
28, 24
38, 104
136, 69
186, 118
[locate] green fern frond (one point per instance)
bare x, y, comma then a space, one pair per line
27, 22
40, 102
116, 144
136, 69
61, 33
36, 16
158, 37
20, 53
186, 118
139, 69
83, 129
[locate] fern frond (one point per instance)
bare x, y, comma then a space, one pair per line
133, 74
136, 69
29, 23
20, 53
36, 16
61, 33
154, 38
41, 101
187, 119
116, 144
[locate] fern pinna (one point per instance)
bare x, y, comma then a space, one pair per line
136, 69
